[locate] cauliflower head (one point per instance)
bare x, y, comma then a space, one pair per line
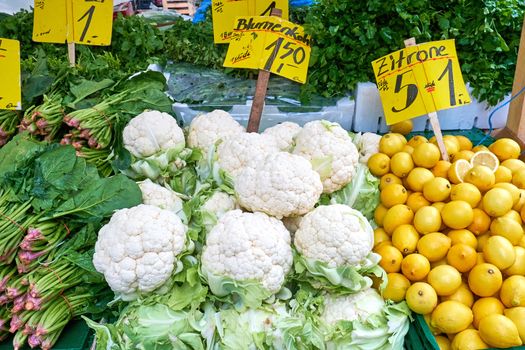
330, 150
237, 152
354, 307
367, 144
219, 203
280, 184
206, 129
137, 249
159, 196
336, 235
248, 247
284, 134
151, 132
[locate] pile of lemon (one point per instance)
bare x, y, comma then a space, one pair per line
451, 237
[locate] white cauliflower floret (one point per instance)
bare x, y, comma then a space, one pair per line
248, 246
206, 129
284, 134
367, 144
219, 203
159, 196
137, 250
280, 184
358, 306
151, 132
330, 150
335, 234
238, 151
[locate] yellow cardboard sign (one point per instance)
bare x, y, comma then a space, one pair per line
10, 86
420, 79
87, 22
224, 13
272, 44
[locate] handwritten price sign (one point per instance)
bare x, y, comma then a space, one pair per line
272, 44
224, 13
420, 79
87, 22
10, 88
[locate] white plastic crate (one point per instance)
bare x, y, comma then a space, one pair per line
369, 114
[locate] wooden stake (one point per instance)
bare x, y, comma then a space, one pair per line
71, 53
433, 117
260, 90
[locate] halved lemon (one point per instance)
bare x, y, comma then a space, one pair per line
485, 158
457, 170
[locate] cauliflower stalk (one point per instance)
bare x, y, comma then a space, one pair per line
207, 129
330, 150
280, 184
246, 257
284, 134
139, 249
334, 250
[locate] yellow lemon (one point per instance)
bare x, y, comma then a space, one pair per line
479, 148
484, 307
379, 214
505, 148
416, 200
379, 164
513, 215
463, 236
518, 268
512, 292
485, 158
464, 142
434, 246
499, 251
497, 202
401, 164
467, 155
441, 168
481, 259
421, 298
462, 294
393, 194
458, 170
391, 258
466, 192
451, 143
513, 190
503, 174
499, 331
397, 215
507, 228
405, 238
408, 149
468, 339
417, 178
443, 342
439, 262
437, 190
390, 144
481, 177
482, 240
457, 214
427, 219
417, 140
451, 316
463, 257
396, 287
513, 164
517, 316
415, 267
380, 236
403, 127
518, 206
445, 279
484, 280
389, 179
480, 222
426, 155
518, 179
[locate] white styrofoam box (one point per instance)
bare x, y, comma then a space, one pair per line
369, 114
342, 112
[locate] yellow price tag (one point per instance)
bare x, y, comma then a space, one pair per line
420, 79
10, 87
272, 44
224, 13
87, 22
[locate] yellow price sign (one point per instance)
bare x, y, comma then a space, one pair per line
10, 87
272, 44
420, 79
87, 22
224, 13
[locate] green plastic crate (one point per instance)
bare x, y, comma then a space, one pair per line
474, 135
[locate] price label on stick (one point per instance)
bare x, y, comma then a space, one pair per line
50, 21
271, 44
420, 79
224, 13
10, 84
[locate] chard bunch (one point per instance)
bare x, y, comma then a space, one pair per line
8, 123
44, 120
